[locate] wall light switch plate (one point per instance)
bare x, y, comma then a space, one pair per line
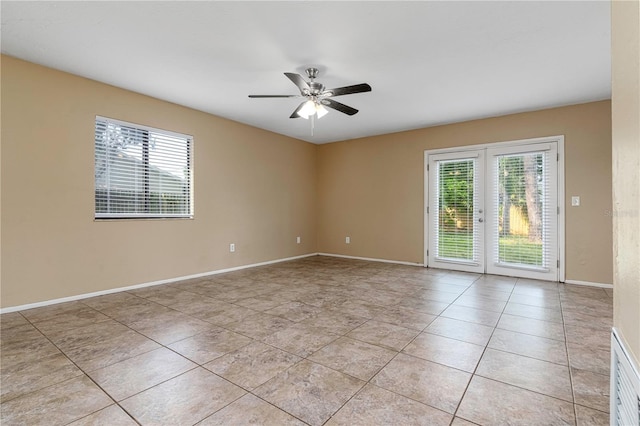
232, 247
575, 201
347, 240
298, 240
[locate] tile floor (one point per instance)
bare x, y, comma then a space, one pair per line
315, 341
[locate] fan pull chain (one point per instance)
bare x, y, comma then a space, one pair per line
312, 123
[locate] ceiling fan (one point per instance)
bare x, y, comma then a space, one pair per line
317, 97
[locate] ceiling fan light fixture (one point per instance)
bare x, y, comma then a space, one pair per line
321, 110
307, 110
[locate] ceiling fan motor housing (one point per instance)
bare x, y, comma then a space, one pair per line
316, 88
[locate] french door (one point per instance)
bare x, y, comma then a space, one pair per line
494, 210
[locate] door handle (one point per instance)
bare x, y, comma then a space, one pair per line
481, 220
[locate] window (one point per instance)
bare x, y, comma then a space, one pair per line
141, 172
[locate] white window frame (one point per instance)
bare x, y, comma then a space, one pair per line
145, 166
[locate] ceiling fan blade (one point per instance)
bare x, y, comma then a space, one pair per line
274, 96
339, 107
295, 113
347, 90
298, 81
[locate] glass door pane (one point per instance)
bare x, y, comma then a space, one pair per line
456, 218
522, 214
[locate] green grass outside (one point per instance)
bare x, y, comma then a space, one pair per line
513, 248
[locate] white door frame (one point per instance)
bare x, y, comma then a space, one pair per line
559, 140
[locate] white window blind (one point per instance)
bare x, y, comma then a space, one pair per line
141, 172
455, 222
521, 198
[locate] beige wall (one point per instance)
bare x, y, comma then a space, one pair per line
625, 109
371, 189
253, 188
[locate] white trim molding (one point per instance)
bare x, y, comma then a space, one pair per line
148, 284
371, 259
588, 284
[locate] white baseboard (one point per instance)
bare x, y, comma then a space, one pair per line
148, 284
588, 283
398, 262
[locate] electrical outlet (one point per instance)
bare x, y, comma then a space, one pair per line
297, 240
575, 201
347, 240
232, 247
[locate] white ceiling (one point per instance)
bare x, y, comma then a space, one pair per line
429, 63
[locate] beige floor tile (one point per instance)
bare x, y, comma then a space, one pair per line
200, 306
250, 410
591, 389
107, 301
73, 318
479, 302
377, 406
142, 310
51, 312
295, 311
262, 302
384, 334
27, 346
12, 319
259, 325
457, 421
227, 315
353, 357
68, 339
579, 318
169, 327
528, 373
349, 317
596, 338
548, 329
588, 358
300, 339
446, 351
477, 290
424, 381
381, 297
110, 416
163, 294
405, 317
551, 301
424, 305
460, 330
252, 365
183, 400
22, 378
309, 391
532, 346
534, 287
19, 334
535, 312
590, 417
335, 322
209, 345
360, 308
128, 377
58, 404
488, 402
477, 316
436, 296
111, 350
